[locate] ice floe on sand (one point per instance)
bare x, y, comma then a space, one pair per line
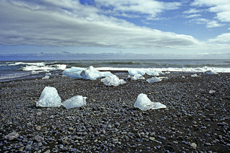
195, 76
89, 73
112, 80
144, 103
76, 101
73, 72
49, 98
46, 77
135, 77
154, 79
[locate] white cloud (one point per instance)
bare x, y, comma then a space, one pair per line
223, 38
224, 16
209, 23
209, 2
220, 7
130, 8
193, 16
68, 23
191, 11
213, 24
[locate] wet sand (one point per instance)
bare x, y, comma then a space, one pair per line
194, 119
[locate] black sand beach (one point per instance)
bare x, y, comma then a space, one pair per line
194, 120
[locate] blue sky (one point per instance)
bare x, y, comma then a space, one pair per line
182, 28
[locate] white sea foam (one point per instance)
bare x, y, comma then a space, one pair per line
192, 70
43, 68
24, 63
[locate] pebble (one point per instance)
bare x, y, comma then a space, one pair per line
193, 145
151, 138
38, 128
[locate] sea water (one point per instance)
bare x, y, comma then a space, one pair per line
13, 70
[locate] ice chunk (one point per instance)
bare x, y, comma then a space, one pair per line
46, 77
195, 76
137, 77
144, 103
154, 79
76, 101
48, 74
49, 98
90, 73
112, 80
105, 74
153, 73
73, 72
212, 91
12, 135
132, 72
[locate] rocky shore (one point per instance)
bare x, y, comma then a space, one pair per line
195, 120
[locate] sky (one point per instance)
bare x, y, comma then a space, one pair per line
161, 28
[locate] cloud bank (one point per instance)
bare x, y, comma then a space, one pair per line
70, 23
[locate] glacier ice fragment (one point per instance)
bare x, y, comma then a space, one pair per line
76, 101
154, 79
137, 77
49, 98
112, 80
144, 103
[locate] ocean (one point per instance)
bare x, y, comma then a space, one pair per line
13, 70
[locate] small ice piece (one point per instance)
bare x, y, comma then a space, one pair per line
137, 77
12, 135
212, 91
112, 80
48, 74
183, 77
144, 103
49, 98
195, 75
46, 77
154, 79
76, 101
